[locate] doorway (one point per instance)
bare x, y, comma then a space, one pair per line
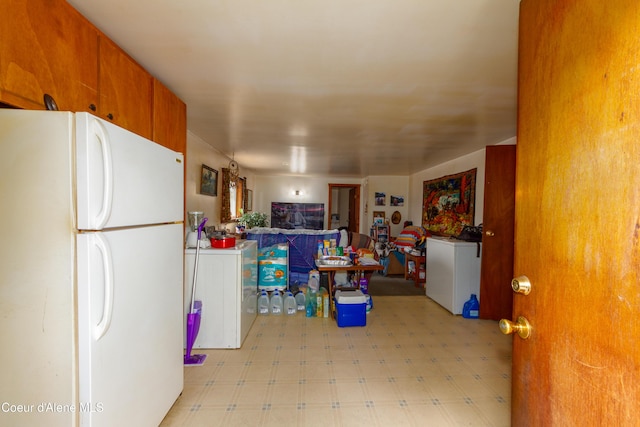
344, 206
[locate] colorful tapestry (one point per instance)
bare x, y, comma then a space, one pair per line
449, 203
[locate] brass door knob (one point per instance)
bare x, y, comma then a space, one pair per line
522, 327
489, 233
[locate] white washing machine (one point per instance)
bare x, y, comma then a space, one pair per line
227, 285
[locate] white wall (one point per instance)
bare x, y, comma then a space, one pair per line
199, 153
313, 189
390, 186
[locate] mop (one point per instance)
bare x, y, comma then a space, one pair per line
195, 312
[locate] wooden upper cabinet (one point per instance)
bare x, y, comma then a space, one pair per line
169, 119
47, 47
126, 90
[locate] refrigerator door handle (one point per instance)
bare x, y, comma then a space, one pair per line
107, 166
107, 310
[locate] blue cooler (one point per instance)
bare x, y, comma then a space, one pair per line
351, 308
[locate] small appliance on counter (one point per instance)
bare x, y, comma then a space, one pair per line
194, 218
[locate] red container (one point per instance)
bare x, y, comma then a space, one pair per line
223, 243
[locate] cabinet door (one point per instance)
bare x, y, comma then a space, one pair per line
47, 47
169, 119
126, 92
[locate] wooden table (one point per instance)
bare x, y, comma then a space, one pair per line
358, 269
417, 261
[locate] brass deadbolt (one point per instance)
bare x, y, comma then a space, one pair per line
521, 285
522, 327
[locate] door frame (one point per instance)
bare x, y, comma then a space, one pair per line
356, 214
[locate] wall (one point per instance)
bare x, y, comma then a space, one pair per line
199, 153
390, 186
313, 189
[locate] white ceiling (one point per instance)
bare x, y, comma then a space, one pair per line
330, 87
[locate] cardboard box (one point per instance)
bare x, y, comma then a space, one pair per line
351, 308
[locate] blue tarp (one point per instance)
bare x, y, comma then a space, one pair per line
303, 245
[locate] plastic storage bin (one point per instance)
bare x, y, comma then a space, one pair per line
351, 308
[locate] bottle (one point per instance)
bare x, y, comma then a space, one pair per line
263, 303
471, 308
275, 304
311, 304
364, 285
319, 300
309, 308
325, 302
301, 300
290, 305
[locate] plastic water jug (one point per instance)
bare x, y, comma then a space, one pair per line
263, 303
471, 308
290, 305
301, 301
276, 303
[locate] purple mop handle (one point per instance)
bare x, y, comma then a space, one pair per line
195, 267
200, 227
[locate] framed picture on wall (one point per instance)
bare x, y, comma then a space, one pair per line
209, 181
397, 201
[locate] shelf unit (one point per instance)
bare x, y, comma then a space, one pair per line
380, 233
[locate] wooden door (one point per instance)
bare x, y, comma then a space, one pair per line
47, 47
496, 297
577, 226
126, 93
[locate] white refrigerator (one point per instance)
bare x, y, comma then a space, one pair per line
91, 265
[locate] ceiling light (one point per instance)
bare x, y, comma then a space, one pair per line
298, 159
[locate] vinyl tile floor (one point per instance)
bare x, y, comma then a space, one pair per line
413, 364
